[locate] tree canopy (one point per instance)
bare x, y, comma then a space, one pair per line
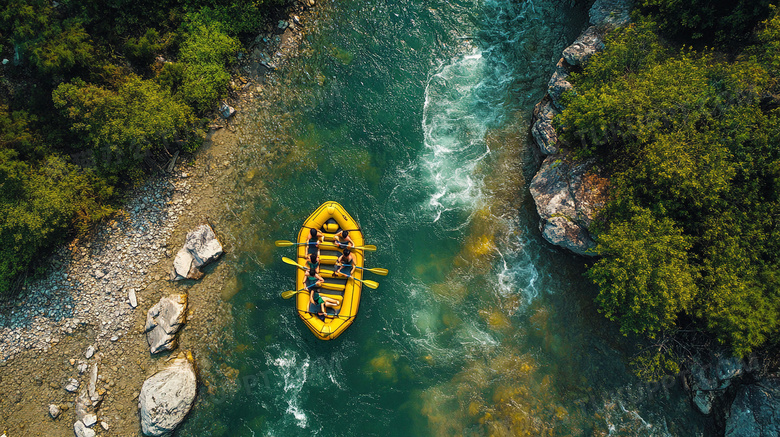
691, 141
93, 89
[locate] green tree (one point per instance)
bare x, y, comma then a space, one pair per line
644, 277
721, 21
205, 54
121, 125
38, 205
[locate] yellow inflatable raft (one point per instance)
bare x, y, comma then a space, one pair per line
330, 218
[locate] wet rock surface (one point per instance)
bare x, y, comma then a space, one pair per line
569, 194
755, 411
710, 380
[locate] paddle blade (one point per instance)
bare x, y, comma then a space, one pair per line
371, 284
288, 294
369, 248
291, 262
378, 271
283, 243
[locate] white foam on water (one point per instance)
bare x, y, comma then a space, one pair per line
471, 335
517, 273
453, 135
294, 375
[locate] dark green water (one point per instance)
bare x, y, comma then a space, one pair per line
414, 116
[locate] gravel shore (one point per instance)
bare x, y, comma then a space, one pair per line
80, 313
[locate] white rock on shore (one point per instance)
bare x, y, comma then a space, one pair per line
167, 396
72, 385
201, 248
54, 411
163, 322
81, 430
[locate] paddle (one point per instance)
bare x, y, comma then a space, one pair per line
369, 284
285, 243
376, 270
290, 293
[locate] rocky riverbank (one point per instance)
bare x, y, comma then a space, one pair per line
82, 325
740, 396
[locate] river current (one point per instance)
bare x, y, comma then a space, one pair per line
414, 115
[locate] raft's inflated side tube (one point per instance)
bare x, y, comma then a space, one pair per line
329, 219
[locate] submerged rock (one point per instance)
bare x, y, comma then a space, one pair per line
54, 411
226, 110
164, 320
72, 385
201, 247
755, 411
567, 195
167, 396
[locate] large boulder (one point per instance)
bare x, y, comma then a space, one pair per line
164, 320
755, 411
542, 130
588, 43
167, 396
201, 248
568, 195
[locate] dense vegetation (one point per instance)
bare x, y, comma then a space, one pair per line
691, 142
92, 89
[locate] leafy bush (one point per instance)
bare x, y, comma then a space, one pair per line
205, 54
61, 48
122, 126
691, 228
721, 21
38, 204
644, 277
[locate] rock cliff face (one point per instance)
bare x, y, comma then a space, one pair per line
568, 194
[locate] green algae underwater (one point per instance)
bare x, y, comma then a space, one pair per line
415, 116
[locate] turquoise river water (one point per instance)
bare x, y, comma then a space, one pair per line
414, 115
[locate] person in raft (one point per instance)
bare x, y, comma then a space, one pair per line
343, 240
315, 237
347, 259
314, 280
313, 262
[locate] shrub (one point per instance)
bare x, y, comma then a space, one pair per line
205, 55
38, 204
122, 126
